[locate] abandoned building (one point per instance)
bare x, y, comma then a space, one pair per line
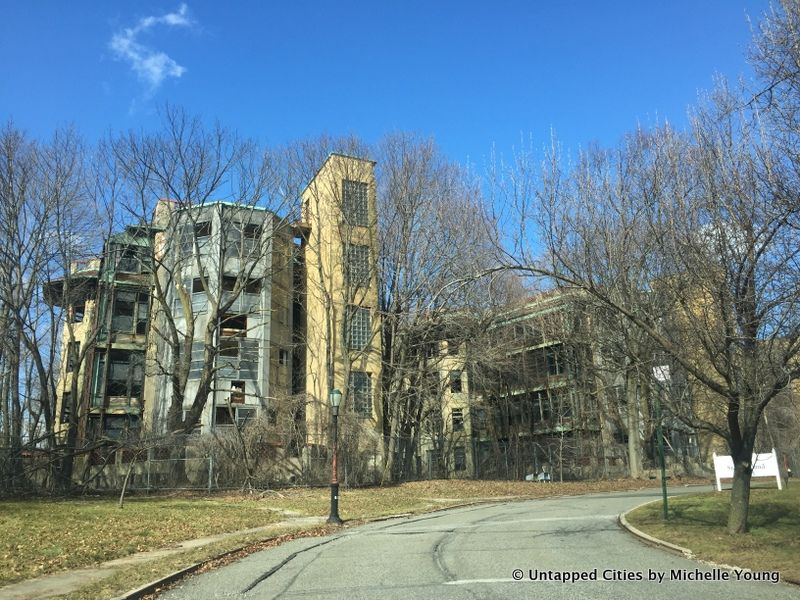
232, 310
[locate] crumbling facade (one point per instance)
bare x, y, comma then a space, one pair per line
235, 306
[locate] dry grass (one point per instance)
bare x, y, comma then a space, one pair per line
41, 537
698, 523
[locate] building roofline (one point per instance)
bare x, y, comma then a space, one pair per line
327, 160
343, 155
215, 203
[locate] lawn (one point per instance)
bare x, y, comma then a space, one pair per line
698, 523
41, 537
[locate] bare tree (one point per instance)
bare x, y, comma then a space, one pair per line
208, 201
692, 241
46, 226
434, 239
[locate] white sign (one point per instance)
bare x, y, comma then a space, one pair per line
661, 373
764, 465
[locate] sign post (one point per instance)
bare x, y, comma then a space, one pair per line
662, 376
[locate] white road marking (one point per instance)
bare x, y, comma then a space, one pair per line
547, 519
471, 581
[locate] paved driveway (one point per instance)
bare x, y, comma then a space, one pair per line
554, 548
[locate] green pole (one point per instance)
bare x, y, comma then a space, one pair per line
660, 434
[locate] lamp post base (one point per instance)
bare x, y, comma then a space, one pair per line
334, 518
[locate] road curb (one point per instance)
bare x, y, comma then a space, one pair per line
649, 538
686, 552
153, 586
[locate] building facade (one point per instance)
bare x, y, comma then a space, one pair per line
219, 314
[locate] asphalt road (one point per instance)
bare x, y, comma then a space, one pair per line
479, 552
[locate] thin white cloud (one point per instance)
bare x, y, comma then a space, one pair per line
150, 65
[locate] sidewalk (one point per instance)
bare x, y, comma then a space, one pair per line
57, 584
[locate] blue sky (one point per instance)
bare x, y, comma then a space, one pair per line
470, 74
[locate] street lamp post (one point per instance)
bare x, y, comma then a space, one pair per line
335, 398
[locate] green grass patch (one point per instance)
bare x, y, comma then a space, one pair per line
699, 523
42, 537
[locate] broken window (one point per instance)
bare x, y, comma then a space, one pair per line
459, 458
77, 312
554, 361
66, 405
142, 313
197, 233
228, 415
478, 419
252, 231
283, 357
129, 260
452, 347
119, 427
458, 419
241, 239
223, 415
229, 283
253, 286
130, 313
202, 230
360, 387
125, 376
124, 308
354, 203
434, 423
237, 392
233, 325
431, 349
455, 382
73, 352
229, 347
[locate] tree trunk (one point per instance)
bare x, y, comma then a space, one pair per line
740, 495
634, 442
